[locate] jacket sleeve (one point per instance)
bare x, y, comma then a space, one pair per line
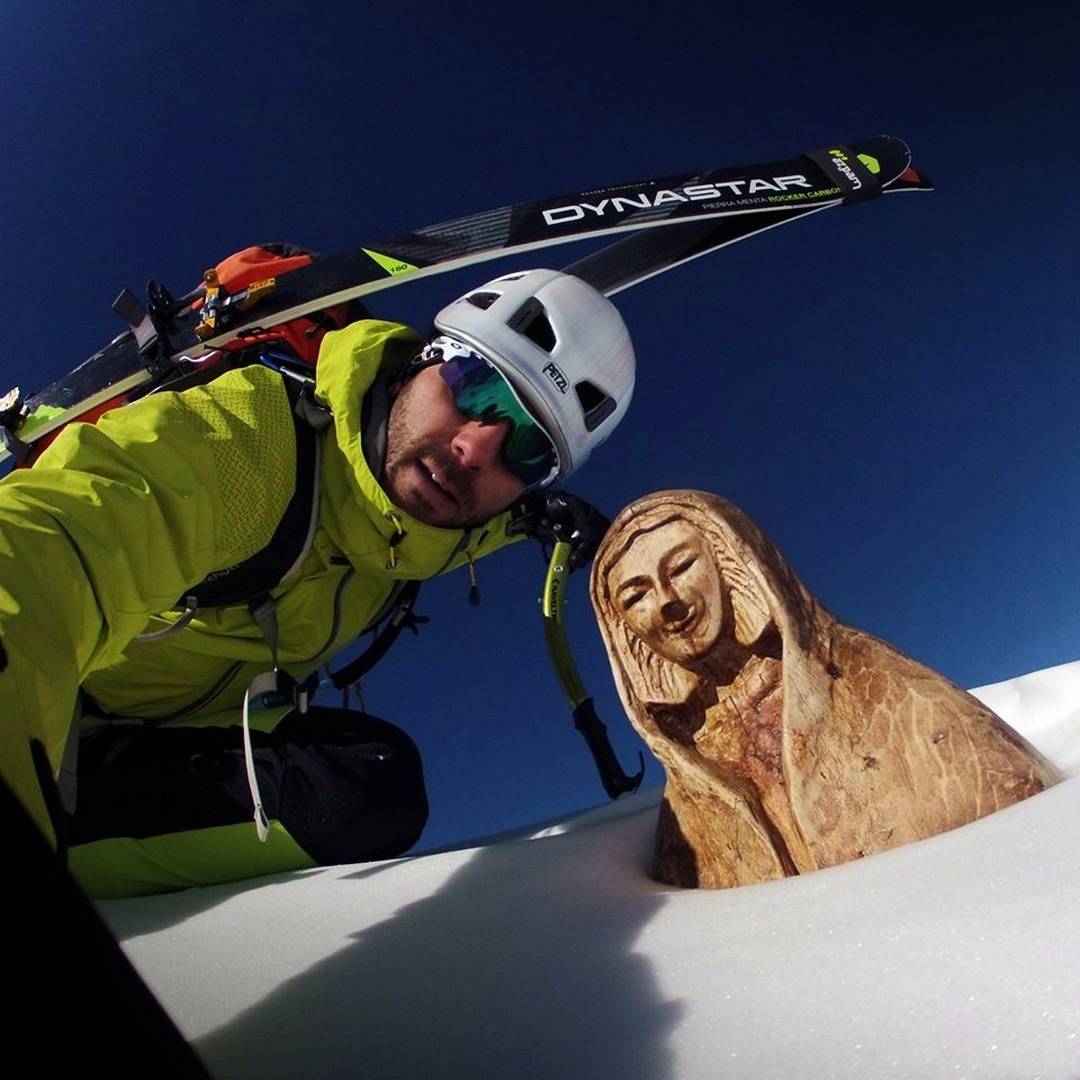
111, 525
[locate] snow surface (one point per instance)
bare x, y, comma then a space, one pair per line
550, 953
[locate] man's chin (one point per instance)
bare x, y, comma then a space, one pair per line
417, 505
426, 513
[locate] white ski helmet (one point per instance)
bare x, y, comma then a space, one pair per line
562, 345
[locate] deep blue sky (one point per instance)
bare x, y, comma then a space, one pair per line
890, 389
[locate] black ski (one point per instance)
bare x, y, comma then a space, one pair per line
639, 257
746, 200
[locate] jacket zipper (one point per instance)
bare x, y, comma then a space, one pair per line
209, 696
221, 685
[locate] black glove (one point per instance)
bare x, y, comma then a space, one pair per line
550, 516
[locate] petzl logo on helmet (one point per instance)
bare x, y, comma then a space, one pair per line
556, 376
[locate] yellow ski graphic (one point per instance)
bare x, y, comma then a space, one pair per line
394, 267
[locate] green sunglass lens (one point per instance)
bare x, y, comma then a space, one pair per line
482, 394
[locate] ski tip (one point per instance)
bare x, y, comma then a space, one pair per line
911, 177
892, 140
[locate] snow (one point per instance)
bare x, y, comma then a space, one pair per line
551, 954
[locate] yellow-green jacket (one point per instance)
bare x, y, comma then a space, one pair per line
117, 519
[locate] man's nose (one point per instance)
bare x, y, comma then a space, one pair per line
477, 445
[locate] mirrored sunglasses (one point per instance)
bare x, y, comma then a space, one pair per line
483, 394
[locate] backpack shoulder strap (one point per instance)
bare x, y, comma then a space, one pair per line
400, 617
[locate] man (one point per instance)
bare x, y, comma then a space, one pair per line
427, 447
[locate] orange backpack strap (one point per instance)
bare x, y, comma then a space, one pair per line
261, 262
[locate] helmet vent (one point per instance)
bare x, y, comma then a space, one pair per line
531, 321
595, 404
482, 300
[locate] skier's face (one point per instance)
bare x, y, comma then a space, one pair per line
440, 467
668, 590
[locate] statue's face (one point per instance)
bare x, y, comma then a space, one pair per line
667, 589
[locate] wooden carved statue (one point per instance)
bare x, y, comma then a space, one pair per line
790, 741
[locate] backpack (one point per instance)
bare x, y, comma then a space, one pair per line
299, 339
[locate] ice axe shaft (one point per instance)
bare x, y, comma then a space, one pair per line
615, 781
